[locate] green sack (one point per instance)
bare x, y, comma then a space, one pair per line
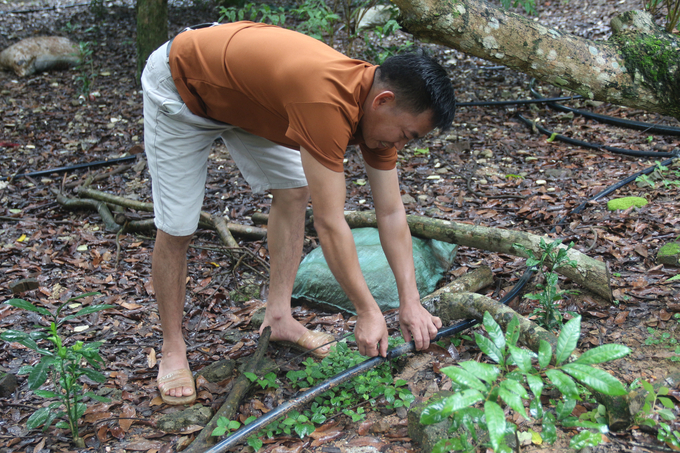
315, 282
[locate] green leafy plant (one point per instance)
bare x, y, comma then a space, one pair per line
256, 13
375, 388
660, 174
651, 414
528, 5
64, 365
672, 8
317, 20
377, 48
665, 340
552, 257
87, 73
517, 377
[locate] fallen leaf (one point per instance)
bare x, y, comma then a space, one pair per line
664, 315
102, 433
621, 317
157, 401
192, 429
151, 357
127, 413
40, 445
143, 445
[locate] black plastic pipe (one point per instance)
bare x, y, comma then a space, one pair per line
73, 167
581, 143
629, 124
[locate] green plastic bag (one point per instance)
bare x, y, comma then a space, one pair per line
315, 282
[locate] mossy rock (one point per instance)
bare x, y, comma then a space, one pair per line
218, 371
427, 435
8, 384
625, 203
177, 421
669, 254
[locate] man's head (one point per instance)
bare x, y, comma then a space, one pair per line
419, 84
411, 95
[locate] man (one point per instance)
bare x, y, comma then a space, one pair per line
287, 106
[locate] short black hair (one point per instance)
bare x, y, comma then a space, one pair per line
419, 84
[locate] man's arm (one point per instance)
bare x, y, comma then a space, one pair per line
395, 238
327, 189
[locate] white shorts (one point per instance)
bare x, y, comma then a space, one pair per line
177, 144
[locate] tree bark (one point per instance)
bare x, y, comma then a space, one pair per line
589, 273
152, 29
638, 67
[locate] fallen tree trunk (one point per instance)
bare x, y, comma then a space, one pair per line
228, 409
469, 283
589, 273
636, 67
451, 306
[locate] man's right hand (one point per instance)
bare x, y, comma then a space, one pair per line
370, 332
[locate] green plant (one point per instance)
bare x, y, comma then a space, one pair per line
373, 388
65, 365
317, 20
377, 50
552, 257
660, 174
87, 73
528, 5
256, 13
665, 340
517, 375
672, 8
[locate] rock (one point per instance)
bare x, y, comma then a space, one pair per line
8, 384
407, 199
177, 421
40, 53
258, 318
376, 16
218, 371
23, 285
247, 291
669, 254
426, 436
234, 335
625, 203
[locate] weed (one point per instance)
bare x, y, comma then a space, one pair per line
378, 52
86, 68
660, 174
349, 398
516, 375
64, 364
665, 340
317, 20
552, 257
256, 13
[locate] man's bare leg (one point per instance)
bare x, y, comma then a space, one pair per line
169, 270
285, 236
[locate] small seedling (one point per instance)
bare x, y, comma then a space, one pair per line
64, 365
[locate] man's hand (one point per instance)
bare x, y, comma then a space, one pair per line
370, 332
418, 324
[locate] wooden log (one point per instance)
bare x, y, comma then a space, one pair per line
228, 409
470, 282
450, 306
96, 205
589, 273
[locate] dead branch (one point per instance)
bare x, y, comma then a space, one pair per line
205, 438
470, 282
86, 203
589, 273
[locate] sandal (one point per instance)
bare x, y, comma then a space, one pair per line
178, 378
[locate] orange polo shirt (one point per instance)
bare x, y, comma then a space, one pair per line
278, 84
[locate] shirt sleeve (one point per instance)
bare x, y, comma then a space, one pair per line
380, 159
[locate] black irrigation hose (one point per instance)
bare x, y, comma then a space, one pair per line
516, 101
637, 125
581, 143
73, 167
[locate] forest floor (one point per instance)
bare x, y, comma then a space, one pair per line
489, 169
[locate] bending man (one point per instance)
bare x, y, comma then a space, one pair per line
286, 106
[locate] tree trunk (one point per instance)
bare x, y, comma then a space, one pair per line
638, 67
589, 273
152, 29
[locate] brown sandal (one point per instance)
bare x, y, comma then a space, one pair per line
178, 378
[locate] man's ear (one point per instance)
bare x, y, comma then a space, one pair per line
383, 98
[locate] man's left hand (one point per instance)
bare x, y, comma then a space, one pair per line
418, 324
